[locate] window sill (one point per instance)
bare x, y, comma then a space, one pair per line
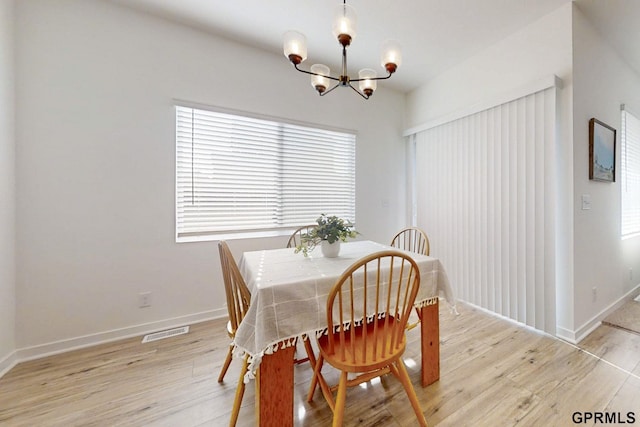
630, 236
236, 235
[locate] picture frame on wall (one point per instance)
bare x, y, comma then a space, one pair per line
602, 151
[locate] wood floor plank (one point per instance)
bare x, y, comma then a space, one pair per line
614, 345
503, 403
627, 398
493, 373
590, 392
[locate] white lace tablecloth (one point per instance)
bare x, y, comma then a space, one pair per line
289, 293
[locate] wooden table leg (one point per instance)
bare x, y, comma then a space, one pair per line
430, 341
274, 389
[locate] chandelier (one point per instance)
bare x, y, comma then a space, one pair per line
344, 29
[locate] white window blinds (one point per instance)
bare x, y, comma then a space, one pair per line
242, 174
630, 174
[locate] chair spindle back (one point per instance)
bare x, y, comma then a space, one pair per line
380, 290
412, 239
237, 292
296, 236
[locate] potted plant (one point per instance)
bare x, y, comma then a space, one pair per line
329, 232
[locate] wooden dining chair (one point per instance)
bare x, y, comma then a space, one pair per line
411, 239
296, 236
367, 311
238, 300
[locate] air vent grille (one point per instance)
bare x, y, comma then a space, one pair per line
165, 334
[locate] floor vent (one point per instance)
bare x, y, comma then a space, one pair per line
165, 334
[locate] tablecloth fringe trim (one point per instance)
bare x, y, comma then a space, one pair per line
427, 302
255, 360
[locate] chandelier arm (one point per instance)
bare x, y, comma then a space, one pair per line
332, 88
358, 92
315, 74
373, 78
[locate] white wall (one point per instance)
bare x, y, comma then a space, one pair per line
95, 165
602, 81
537, 51
7, 187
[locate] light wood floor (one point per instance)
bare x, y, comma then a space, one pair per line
493, 373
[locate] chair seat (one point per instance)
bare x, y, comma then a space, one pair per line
371, 358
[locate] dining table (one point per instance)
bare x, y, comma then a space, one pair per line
288, 303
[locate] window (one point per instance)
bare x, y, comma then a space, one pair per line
238, 174
630, 174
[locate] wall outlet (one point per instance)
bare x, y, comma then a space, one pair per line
144, 299
631, 274
594, 293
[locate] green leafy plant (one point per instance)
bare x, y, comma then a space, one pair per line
329, 228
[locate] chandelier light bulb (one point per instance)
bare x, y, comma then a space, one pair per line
344, 24
367, 86
391, 57
320, 82
295, 46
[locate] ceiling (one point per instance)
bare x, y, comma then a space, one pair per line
434, 34
618, 22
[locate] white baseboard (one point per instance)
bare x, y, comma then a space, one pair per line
8, 363
574, 337
510, 320
582, 332
566, 335
62, 346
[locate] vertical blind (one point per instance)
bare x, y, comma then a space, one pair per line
630, 174
485, 196
242, 174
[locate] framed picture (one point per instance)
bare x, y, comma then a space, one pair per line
602, 151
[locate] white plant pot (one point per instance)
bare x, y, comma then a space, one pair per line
330, 250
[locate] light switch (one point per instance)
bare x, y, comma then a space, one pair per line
586, 202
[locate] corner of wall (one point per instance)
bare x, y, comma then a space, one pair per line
7, 187
8, 363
